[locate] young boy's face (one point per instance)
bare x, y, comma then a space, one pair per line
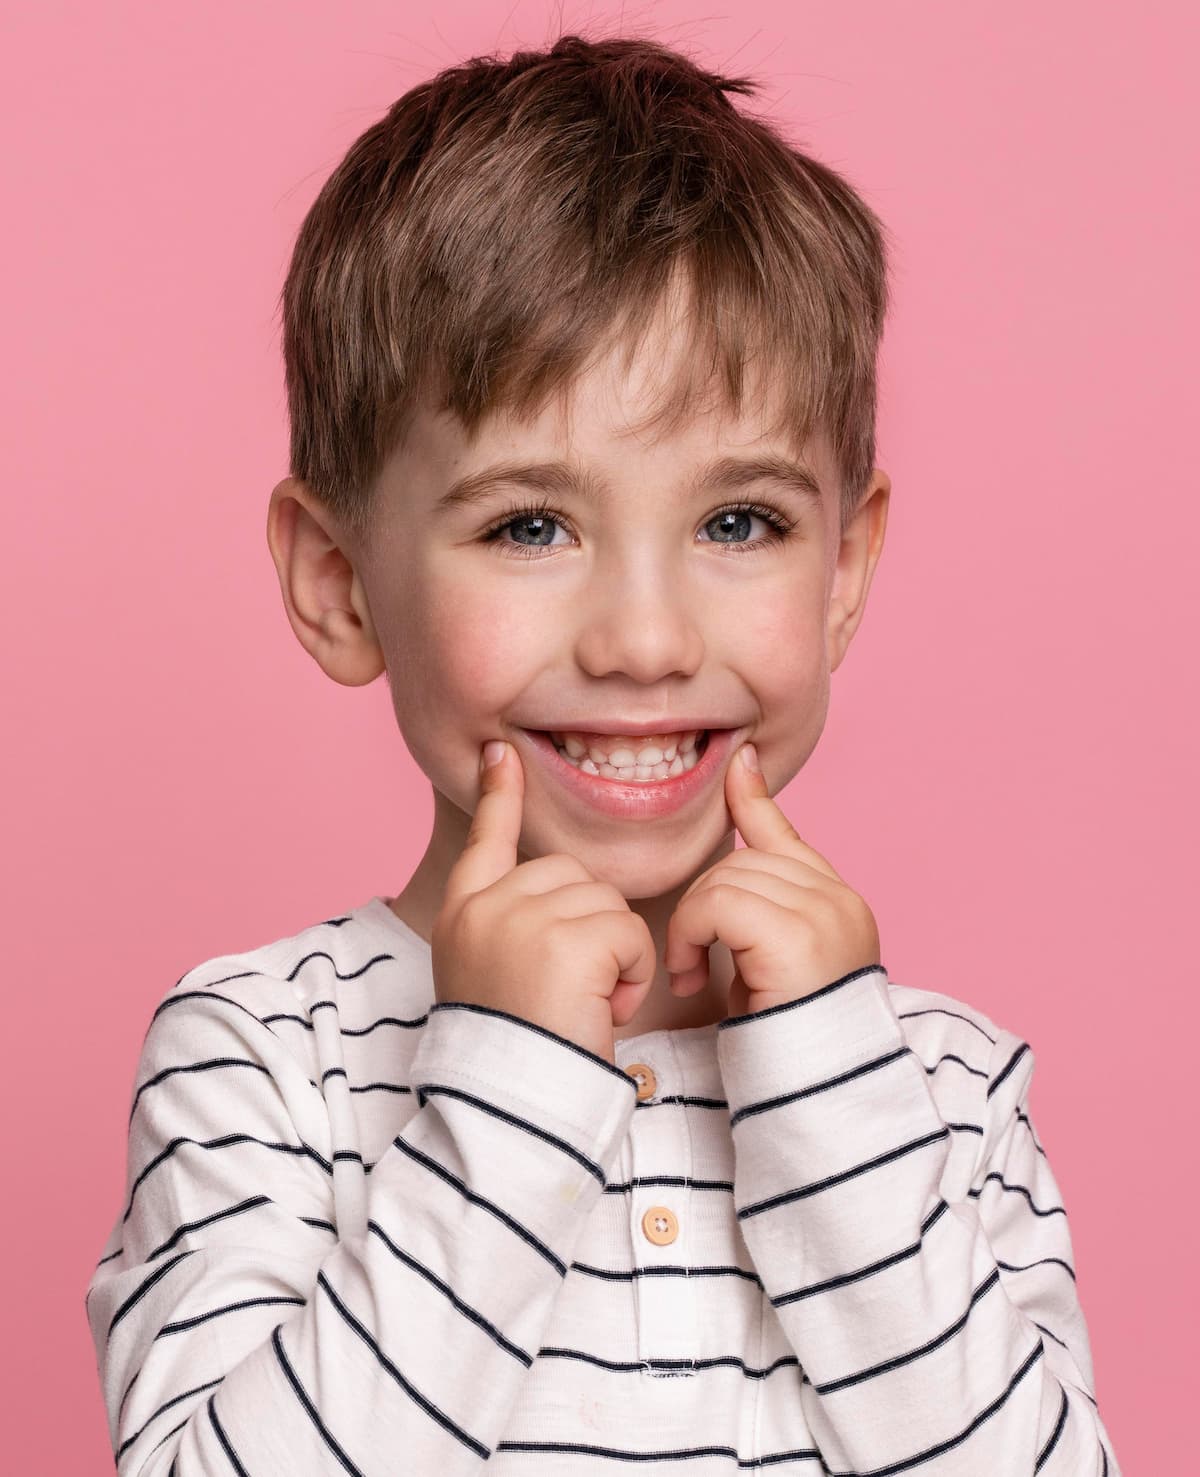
641, 603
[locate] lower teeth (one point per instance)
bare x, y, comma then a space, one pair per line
640, 774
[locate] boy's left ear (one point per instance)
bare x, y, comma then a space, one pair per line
857, 555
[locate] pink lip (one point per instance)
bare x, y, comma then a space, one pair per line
634, 801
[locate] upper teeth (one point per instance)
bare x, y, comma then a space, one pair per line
624, 751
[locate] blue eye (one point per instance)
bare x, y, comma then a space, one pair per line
545, 517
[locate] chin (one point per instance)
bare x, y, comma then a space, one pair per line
643, 876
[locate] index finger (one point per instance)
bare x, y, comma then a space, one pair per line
762, 823
490, 850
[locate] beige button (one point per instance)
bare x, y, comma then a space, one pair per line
660, 1225
644, 1076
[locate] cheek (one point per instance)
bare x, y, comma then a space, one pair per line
783, 660
781, 634
469, 652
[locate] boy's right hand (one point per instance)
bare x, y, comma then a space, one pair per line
544, 940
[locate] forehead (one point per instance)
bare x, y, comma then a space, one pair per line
645, 400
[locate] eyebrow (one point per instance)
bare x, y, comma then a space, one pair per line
726, 474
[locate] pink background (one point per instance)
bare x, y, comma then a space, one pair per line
1007, 774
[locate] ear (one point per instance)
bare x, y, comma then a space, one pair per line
323, 593
857, 555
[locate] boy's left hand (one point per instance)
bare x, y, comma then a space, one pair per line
790, 922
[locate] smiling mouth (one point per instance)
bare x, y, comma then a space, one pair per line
646, 763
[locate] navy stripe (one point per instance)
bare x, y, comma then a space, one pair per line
183, 1324
174, 1400
1010, 1065
821, 994
682, 1181
354, 974
950, 1056
400, 1087
226, 1444
787, 1196
906, 1015
1041, 1327
620, 1275
302, 1150
143, 1288
976, 1191
975, 1128
1054, 1435
448, 1292
438, 1089
162, 1441
765, 1105
183, 995
814, 1289
986, 1414
310, 1409
451, 1179
687, 1453
407, 1386
212, 1064
637, 1366
518, 1020
218, 1215
1025, 1119
679, 1100
287, 1015
125, 1397
1041, 1262
410, 1023
290, 977
897, 1360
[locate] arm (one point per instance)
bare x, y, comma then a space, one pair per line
933, 1309
234, 1330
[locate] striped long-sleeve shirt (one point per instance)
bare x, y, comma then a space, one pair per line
367, 1232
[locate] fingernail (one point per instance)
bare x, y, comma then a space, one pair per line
493, 752
750, 758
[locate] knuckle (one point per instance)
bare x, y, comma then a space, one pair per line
554, 938
615, 897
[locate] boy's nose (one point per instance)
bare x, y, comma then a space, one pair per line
650, 642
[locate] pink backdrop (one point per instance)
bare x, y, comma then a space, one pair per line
1007, 774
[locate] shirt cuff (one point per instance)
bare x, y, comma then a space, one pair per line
789, 1047
526, 1070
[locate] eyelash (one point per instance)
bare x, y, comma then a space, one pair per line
781, 527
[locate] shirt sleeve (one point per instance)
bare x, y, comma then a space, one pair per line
932, 1306
237, 1332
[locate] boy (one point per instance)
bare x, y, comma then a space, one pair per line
603, 1142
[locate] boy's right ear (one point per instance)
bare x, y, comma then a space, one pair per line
323, 594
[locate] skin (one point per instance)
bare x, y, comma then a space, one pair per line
644, 603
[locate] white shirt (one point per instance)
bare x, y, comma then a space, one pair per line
365, 1232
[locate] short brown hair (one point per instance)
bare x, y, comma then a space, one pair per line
501, 220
